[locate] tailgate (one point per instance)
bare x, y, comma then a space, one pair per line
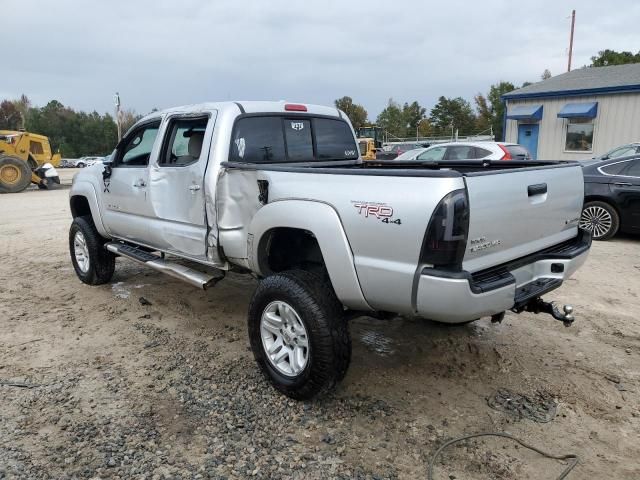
514, 213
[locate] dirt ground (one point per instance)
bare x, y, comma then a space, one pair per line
170, 390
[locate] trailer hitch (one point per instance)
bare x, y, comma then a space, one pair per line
537, 305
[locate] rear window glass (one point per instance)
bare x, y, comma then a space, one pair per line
299, 141
634, 169
517, 151
280, 139
614, 168
334, 140
258, 140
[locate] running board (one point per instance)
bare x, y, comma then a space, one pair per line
189, 275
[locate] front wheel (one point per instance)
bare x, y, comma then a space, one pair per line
93, 264
298, 334
601, 219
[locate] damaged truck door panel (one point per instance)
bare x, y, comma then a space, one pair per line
278, 190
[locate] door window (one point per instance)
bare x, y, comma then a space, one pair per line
433, 154
614, 168
634, 169
460, 152
136, 149
183, 144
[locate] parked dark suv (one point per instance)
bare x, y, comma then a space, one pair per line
612, 197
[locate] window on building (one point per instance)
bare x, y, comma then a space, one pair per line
579, 135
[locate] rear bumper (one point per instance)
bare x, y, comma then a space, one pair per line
455, 297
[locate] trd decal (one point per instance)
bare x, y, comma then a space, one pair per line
380, 211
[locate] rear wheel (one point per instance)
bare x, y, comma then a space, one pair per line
298, 334
601, 219
15, 175
93, 264
80, 165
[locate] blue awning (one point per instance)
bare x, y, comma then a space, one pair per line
525, 112
579, 110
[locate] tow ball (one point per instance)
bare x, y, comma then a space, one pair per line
537, 305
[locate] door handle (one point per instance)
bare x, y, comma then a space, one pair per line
194, 188
623, 184
538, 189
139, 184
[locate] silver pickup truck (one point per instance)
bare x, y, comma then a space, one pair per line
278, 190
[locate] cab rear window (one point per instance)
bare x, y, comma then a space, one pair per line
281, 138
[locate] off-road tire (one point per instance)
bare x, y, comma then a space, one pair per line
102, 263
613, 213
13, 166
323, 317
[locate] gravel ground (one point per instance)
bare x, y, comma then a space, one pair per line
96, 385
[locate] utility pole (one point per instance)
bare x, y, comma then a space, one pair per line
116, 99
573, 24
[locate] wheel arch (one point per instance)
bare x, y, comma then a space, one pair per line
83, 201
309, 232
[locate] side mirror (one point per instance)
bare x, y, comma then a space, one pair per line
106, 170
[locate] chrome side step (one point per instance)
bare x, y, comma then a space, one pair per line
186, 274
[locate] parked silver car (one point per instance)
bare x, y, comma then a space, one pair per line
468, 151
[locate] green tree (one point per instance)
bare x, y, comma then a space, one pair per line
611, 57
10, 117
356, 113
546, 75
72, 133
392, 120
413, 114
453, 113
497, 106
484, 119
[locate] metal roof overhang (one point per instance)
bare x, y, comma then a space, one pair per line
579, 110
525, 112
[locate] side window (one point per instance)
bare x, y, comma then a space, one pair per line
460, 152
35, 147
481, 152
183, 144
298, 137
615, 168
433, 154
633, 170
136, 148
258, 140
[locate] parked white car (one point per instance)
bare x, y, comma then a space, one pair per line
83, 162
468, 151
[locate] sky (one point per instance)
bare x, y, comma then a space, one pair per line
159, 53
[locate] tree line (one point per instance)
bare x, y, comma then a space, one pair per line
71, 133
75, 133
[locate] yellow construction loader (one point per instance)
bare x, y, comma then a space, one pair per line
26, 158
367, 148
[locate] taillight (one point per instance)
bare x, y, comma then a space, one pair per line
446, 238
507, 155
295, 107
